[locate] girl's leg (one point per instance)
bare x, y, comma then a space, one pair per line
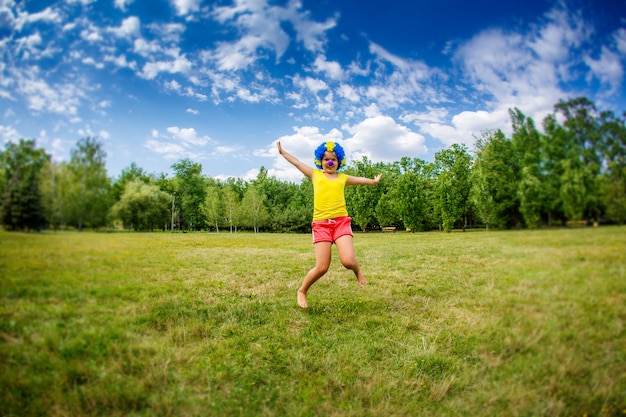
322, 262
345, 248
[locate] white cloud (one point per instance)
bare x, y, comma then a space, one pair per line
404, 82
145, 48
379, 138
507, 69
302, 145
29, 43
170, 151
62, 99
121, 4
562, 33
382, 139
184, 7
128, 29
608, 69
312, 34
349, 93
620, 40
9, 134
331, 69
260, 26
179, 65
189, 136
48, 15
433, 115
312, 85
83, 2
193, 111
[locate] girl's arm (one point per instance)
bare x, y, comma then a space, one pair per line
362, 180
302, 167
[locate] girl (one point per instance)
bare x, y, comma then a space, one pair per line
331, 223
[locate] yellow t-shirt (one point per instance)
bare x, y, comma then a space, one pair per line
328, 196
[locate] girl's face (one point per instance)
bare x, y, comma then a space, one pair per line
327, 165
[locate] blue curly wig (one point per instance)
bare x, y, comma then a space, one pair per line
331, 147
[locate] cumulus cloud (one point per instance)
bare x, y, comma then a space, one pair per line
261, 27
121, 4
301, 144
128, 29
381, 138
608, 69
620, 40
189, 137
180, 64
184, 7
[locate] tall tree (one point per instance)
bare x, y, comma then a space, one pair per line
613, 179
143, 206
361, 201
131, 173
190, 192
89, 194
55, 185
453, 185
526, 142
584, 149
254, 212
232, 208
21, 205
494, 181
213, 207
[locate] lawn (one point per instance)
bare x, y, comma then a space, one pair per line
498, 323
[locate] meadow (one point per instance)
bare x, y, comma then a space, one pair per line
476, 323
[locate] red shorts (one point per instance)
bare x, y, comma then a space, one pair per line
331, 229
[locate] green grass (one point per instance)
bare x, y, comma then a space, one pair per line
516, 323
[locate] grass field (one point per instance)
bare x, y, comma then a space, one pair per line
508, 323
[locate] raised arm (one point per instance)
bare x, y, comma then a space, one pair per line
302, 167
363, 181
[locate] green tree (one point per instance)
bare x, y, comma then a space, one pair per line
254, 212
386, 213
526, 142
143, 206
613, 179
232, 208
55, 186
453, 185
362, 201
21, 205
131, 173
553, 153
583, 150
190, 193
494, 181
411, 193
213, 207
573, 191
89, 193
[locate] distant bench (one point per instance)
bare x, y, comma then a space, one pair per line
389, 229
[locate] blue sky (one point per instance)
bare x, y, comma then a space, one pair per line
219, 82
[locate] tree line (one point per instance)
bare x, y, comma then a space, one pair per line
573, 171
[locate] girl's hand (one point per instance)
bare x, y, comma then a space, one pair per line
377, 179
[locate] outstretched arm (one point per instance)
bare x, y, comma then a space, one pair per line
302, 167
363, 181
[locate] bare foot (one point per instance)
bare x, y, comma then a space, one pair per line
361, 279
302, 299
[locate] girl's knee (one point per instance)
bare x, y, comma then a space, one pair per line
322, 269
349, 263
